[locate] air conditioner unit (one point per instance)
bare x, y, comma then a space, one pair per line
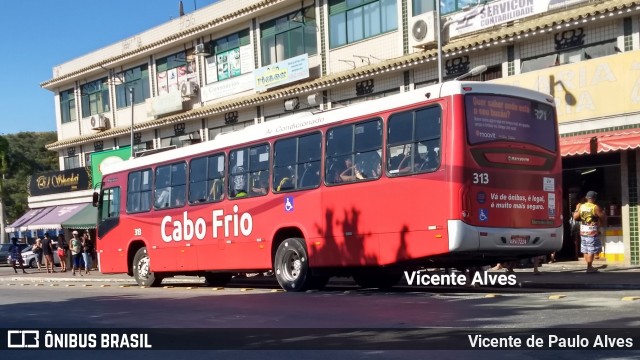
202, 49
98, 122
188, 89
422, 31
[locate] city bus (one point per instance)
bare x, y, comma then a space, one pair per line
458, 174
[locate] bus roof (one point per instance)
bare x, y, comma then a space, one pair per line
309, 120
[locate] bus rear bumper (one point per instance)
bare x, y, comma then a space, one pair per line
464, 237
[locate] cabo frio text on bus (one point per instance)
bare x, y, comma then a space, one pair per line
184, 228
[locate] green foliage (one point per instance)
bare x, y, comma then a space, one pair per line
25, 156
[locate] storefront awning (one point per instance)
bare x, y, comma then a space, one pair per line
54, 218
28, 217
84, 219
600, 142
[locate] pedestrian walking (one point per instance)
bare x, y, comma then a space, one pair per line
591, 217
16, 255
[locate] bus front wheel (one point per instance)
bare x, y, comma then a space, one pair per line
291, 265
142, 270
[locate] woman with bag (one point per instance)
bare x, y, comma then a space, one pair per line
87, 249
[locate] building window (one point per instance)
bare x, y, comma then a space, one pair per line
289, 36
569, 56
136, 78
449, 6
173, 70
71, 162
628, 33
68, 106
139, 191
170, 185
228, 128
354, 152
95, 97
354, 20
249, 171
226, 60
87, 158
206, 179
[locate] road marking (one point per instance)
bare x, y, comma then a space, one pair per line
277, 290
70, 285
217, 288
246, 289
630, 298
556, 297
105, 285
125, 286
492, 295
86, 285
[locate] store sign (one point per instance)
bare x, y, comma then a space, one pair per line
165, 104
598, 88
105, 158
227, 87
502, 11
281, 73
60, 182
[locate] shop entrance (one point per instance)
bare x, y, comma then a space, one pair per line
600, 173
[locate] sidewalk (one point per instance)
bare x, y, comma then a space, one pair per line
559, 275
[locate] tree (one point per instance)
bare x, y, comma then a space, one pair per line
25, 156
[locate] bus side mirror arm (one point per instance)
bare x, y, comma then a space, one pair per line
96, 198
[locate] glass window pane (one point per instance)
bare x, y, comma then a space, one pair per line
428, 123
371, 19
368, 136
285, 152
310, 147
355, 29
338, 30
400, 128
339, 140
198, 170
389, 15
179, 174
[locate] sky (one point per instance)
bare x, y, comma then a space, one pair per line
37, 35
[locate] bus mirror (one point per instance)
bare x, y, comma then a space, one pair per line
96, 197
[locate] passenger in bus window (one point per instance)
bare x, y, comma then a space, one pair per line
368, 165
179, 195
284, 179
162, 198
238, 185
216, 192
350, 172
260, 183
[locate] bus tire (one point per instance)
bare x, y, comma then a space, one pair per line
142, 269
377, 279
291, 265
217, 279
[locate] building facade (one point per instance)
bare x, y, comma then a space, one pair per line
237, 63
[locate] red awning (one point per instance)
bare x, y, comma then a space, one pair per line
602, 142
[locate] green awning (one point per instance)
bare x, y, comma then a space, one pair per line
84, 219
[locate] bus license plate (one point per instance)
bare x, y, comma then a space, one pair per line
518, 240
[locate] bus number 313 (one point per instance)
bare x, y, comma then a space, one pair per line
480, 178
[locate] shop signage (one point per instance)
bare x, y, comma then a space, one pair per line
104, 158
502, 11
227, 87
281, 73
60, 181
598, 88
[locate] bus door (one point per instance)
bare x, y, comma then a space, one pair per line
111, 252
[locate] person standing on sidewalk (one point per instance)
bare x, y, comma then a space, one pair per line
591, 217
47, 252
87, 249
37, 249
75, 246
63, 247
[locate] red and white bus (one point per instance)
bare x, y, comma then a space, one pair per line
451, 175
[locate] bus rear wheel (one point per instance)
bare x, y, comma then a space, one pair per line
217, 279
142, 270
291, 265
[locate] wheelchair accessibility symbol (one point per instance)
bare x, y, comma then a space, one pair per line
288, 203
483, 215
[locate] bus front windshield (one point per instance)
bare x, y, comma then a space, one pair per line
506, 118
